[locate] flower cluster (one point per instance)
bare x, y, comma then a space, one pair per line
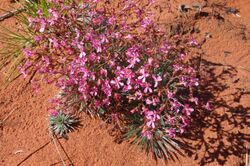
114, 62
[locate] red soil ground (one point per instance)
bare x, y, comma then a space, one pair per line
218, 138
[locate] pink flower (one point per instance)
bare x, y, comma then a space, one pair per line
143, 76
106, 102
103, 39
187, 110
208, 106
183, 56
170, 94
194, 81
82, 54
133, 55
88, 36
30, 20
190, 70
107, 88
117, 82
27, 53
195, 100
157, 80
52, 112
54, 13
171, 120
94, 91
37, 38
117, 96
94, 1
151, 118
23, 72
104, 72
43, 26
111, 20
184, 81
150, 61
138, 95
185, 121
54, 41
93, 57
39, 12
97, 45
177, 67
133, 61
182, 130
132, 52
171, 133
45, 60
147, 134
127, 88
128, 74
151, 2
165, 48
193, 42
153, 102
175, 105
117, 35
146, 22
147, 88
129, 36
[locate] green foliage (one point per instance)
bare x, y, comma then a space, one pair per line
11, 52
61, 124
160, 145
14, 40
31, 7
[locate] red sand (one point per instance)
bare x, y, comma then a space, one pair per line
219, 138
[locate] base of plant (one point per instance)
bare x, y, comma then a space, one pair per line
61, 124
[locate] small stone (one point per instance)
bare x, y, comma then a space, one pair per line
184, 8
232, 10
18, 151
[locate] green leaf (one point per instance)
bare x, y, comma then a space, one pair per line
163, 149
45, 7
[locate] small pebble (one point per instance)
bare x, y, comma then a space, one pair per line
18, 151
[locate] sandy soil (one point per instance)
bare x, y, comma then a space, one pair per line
217, 138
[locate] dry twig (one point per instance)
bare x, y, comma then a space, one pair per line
10, 14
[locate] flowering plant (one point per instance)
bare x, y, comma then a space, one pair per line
115, 63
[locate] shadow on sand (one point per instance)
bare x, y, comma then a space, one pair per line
218, 134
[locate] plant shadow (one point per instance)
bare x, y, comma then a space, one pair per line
221, 133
